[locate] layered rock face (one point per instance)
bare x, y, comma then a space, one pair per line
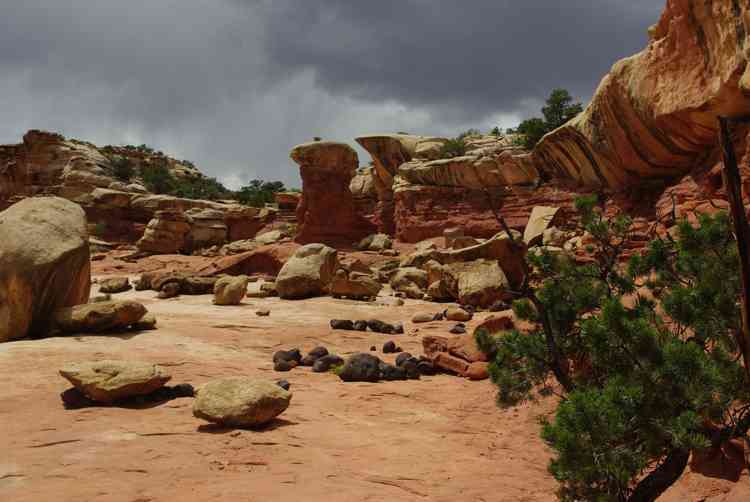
44, 264
327, 212
654, 115
421, 194
49, 164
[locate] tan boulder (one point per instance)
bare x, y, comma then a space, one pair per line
109, 381
99, 317
353, 285
457, 314
240, 402
308, 272
230, 290
44, 264
510, 254
481, 283
166, 233
542, 217
411, 281
375, 242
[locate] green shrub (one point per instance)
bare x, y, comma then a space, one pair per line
637, 391
158, 179
122, 169
558, 110
454, 147
258, 193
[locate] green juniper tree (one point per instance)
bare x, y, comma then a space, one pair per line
559, 109
643, 357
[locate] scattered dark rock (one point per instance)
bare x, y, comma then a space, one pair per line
361, 368
75, 399
342, 324
288, 355
438, 317
318, 352
282, 365
391, 372
398, 328
389, 347
325, 363
284, 384
263, 313
360, 325
198, 285
183, 390
373, 349
458, 329
412, 369
380, 327
426, 368
308, 360
402, 358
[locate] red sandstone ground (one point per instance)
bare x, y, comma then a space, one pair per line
441, 438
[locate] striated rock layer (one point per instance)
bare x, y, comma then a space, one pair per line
654, 114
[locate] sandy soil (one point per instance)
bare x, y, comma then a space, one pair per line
438, 439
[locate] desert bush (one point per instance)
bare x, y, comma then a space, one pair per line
640, 388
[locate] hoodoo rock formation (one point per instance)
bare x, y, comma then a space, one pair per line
327, 213
654, 115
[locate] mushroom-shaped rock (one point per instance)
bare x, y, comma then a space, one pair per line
44, 264
308, 272
240, 402
109, 381
327, 211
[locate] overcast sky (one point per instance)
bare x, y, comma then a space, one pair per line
234, 84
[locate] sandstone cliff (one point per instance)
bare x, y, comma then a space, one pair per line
654, 114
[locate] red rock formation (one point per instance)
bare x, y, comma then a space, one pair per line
654, 114
326, 213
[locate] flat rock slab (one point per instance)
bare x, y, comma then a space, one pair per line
110, 381
99, 317
240, 402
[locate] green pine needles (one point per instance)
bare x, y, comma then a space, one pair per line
643, 357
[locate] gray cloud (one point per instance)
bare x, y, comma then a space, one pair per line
233, 84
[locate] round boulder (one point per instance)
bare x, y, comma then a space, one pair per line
240, 402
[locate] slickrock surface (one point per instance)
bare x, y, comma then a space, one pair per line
406, 440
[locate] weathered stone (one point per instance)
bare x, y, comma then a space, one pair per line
375, 242
146, 323
360, 288
480, 283
169, 290
110, 381
44, 264
193, 285
325, 363
99, 317
166, 233
421, 318
342, 324
240, 402
457, 314
114, 285
411, 281
451, 363
477, 371
230, 290
308, 272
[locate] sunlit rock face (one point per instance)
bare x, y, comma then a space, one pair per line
654, 115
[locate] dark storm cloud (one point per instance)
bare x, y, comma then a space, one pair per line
233, 84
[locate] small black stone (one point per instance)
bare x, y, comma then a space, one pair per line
325, 363
308, 360
342, 324
183, 390
284, 365
283, 384
318, 352
402, 358
458, 329
389, 347
398, 328
426, 368
288, 355
378, 326
438, 317
412, 370
373, 349
391, 372
360, 325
